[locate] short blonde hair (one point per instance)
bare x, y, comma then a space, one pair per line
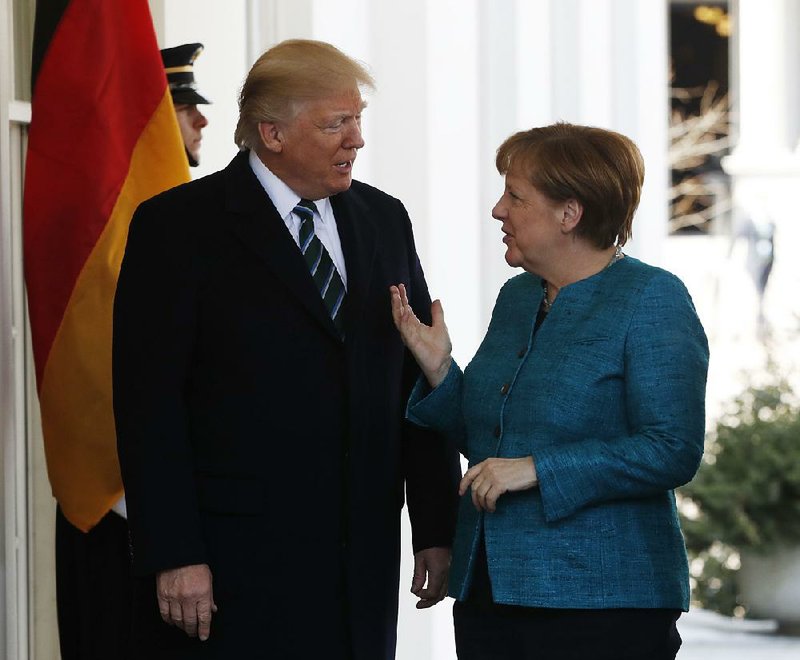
289, 74
602, 169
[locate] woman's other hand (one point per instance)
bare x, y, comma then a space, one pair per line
430, 345
495, 476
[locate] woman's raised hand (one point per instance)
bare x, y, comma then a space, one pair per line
430, 345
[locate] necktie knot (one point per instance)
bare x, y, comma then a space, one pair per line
305, 211
305, 208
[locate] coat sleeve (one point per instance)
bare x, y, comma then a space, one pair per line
431, 467
666, 362
154, 325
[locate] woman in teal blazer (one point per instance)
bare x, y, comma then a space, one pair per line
580, 413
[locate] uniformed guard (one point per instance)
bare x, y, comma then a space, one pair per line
179, 67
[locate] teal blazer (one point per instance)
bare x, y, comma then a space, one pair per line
609, 399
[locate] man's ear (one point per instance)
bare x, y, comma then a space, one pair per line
271, 136
573, 212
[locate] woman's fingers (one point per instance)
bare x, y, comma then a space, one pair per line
489, 479
437, 313
403, 294
468, 478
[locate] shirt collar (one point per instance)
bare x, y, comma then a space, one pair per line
282, 196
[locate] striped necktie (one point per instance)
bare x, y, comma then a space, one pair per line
323, 270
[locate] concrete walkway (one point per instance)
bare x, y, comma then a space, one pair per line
709, 636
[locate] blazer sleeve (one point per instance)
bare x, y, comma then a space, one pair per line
431, 467
440, 408
666, 363
154, 325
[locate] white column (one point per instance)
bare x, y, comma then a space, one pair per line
565, 71
346, 25
501, 93
276, 20
533, 59
641, 106
453, 136
593, 39
763, 91
396, 123
767, 50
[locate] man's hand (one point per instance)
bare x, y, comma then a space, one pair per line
491, 478
186, 599
433, 564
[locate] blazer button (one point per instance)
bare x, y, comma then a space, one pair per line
522, 352
504, 389
496, 431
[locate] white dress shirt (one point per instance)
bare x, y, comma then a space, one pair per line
285, 199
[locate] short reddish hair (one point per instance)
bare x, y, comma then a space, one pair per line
602, 169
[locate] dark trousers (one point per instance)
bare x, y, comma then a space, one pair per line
93, 589
487, 631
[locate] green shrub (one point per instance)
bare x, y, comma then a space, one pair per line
746, 494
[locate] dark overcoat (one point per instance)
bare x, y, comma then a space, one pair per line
254, 439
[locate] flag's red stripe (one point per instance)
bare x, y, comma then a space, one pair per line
94, 95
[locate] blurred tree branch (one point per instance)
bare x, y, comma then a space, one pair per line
699, 135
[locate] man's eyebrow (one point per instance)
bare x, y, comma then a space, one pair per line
344, 114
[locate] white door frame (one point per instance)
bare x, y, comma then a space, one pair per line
14, 117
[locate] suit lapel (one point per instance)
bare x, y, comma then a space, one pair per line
256, 223
357, 235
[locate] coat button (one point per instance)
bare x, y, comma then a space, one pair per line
496, 431
504, 389
522, 352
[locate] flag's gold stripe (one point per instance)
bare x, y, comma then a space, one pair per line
75, 393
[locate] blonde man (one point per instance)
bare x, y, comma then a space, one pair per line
260, 387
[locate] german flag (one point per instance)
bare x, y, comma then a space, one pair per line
103, 138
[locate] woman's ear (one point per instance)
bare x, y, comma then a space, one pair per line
271, 136
572, 214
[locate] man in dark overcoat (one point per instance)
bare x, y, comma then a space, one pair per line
260, 390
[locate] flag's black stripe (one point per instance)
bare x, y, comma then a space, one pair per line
48, 16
